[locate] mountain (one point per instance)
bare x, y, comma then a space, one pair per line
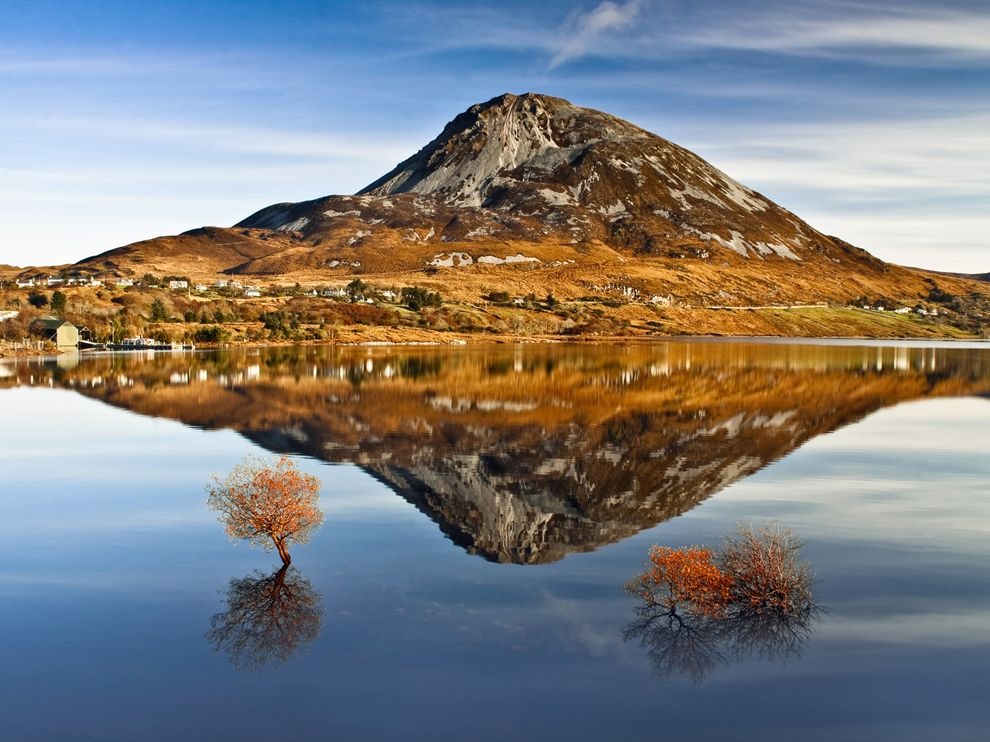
529, 195
540, 169
588, 175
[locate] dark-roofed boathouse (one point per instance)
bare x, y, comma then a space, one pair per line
64, 334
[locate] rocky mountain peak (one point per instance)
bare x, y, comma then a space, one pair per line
591, 175
476, 152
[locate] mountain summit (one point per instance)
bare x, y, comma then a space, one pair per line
480, 152
540, 155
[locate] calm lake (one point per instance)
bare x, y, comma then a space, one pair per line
484, 508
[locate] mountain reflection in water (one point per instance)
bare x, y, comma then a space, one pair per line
526, 454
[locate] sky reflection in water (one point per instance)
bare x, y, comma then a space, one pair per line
113, 568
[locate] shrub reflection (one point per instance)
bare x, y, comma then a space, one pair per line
268, 618
701, 609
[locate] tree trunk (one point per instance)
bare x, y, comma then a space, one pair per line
282, 551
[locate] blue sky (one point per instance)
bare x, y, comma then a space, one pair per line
121, 121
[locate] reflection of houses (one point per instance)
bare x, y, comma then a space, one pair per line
64, 334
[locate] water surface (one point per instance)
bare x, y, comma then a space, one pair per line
484, 508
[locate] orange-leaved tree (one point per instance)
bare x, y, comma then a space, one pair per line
269, 503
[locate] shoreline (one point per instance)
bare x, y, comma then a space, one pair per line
469, 341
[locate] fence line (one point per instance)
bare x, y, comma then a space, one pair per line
22, 344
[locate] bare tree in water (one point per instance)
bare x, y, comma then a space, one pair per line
268, 618
267, 503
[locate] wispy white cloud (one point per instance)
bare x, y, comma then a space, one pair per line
859, 156
584, 29
603, 29
232, 138
206, 147
855, 31
946, 242
906, 189
908, 34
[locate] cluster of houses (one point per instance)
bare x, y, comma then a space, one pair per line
56, 281
94, 282
53, 281
342, 293
903, 310
227, 286
233, 286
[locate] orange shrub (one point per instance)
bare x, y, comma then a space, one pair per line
684, 577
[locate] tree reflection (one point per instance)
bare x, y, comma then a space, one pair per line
701, 609
675, 645
689, 644
268, 618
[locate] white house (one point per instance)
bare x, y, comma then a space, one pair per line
176, 285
